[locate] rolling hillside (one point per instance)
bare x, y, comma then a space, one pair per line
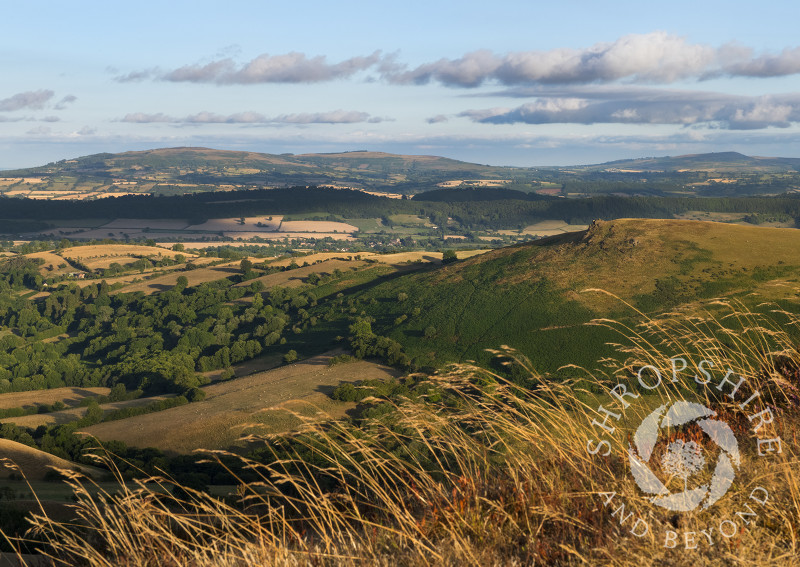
176, 171
532, 297
720, 161
193, 169
35, 464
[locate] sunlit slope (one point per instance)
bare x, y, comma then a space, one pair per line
534, 297
35, 464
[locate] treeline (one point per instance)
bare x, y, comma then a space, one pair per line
489, 208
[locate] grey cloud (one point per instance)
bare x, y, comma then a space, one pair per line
650, 107
62, 104
136, 76
212, 118
291, 67
604, 92
333, 117
143, 118
39, 131
31, 99
437, 119
785, 63
51, 119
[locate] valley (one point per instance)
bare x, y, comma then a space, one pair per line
213, 335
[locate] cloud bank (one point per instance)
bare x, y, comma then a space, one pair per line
648, 106
656, 57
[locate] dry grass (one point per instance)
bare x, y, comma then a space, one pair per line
73, 414
296, 277
51, 264
195, 277
474, 183
490, 474
33, 463
68, 395
319, 256
290, 235
552, 228
317, 226
99, 256
233, 406
420, 256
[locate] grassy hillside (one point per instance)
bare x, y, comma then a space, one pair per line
532, 297
191, 169
451, 468
720, 161
35, 464
262, 402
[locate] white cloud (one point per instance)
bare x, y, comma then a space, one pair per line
653, 57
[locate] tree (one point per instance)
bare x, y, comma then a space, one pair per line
683, 460
449, 256
361, 337
290, 356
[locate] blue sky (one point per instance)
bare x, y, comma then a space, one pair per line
505, 83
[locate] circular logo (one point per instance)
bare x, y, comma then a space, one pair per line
683, 459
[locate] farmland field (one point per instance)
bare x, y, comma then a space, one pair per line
52, 264
297, 276
195, 277
316, 226
233, 407
250, 224
101, 255
69, 396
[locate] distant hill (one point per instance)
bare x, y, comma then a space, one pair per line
721, 161
199, 166
176, 171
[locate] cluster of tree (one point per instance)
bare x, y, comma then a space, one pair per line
19, 272
365, 343
484, 207
150, 344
